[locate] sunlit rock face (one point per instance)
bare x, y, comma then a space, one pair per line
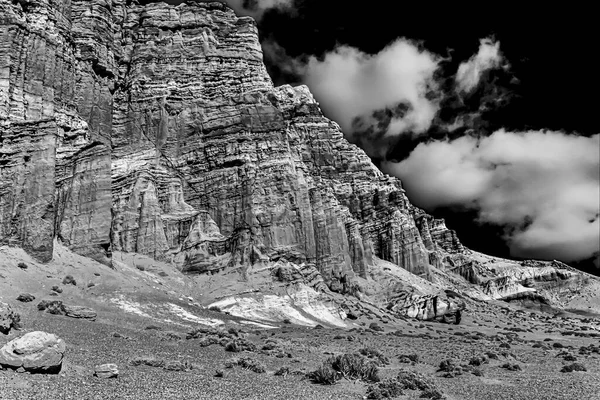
156, 130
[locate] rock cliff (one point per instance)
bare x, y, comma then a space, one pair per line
156, 130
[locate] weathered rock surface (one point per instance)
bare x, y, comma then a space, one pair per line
155, 129
58, 308
106, 371
8, 318
26, 297
38, 352
80, 312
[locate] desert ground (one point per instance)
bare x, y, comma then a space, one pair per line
167, 346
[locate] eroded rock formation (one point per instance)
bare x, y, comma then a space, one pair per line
156, 130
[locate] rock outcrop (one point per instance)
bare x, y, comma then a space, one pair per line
155, 129
9, 319
106, 371
37, 352
57, 307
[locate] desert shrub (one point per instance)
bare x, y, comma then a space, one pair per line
324, 375
269, 345
451, 368
511, 367
409, 358
557, 345
414, 381
214, 308
251, 365
287, 321
388, 389
239, 345
350, 366
573, 367
219, 373
69, 280
233, 347
375, 354
569, 357
283, 371
478, 361
353, 366
447, 365
22, 265
208, 341
432, 393
170, 335
392, 388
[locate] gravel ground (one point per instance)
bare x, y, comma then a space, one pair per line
484, 329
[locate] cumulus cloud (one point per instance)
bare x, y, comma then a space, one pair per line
384, 98
389, 90
256, 8
542, 186
488, 57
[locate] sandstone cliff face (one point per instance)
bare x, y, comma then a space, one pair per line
156, 130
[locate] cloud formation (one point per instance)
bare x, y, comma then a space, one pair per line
542, 186
392, 96
353, 86
256, 8
469, 72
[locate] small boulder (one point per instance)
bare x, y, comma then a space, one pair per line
69, 280
52, 307
58, 308
374, 326
8, 319
80, 312
22, 265
57, 289
37, 352
26, 297
106, 371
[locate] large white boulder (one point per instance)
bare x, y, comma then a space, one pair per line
35, 352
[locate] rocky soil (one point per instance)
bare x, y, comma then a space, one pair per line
167, 345
538, 343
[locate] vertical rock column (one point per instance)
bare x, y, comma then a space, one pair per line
27, 176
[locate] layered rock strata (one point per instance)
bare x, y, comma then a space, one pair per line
156, 130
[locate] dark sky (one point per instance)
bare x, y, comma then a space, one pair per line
551, 51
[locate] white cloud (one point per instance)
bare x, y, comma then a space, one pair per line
469, 72
350, 83
543, 185
256, 8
